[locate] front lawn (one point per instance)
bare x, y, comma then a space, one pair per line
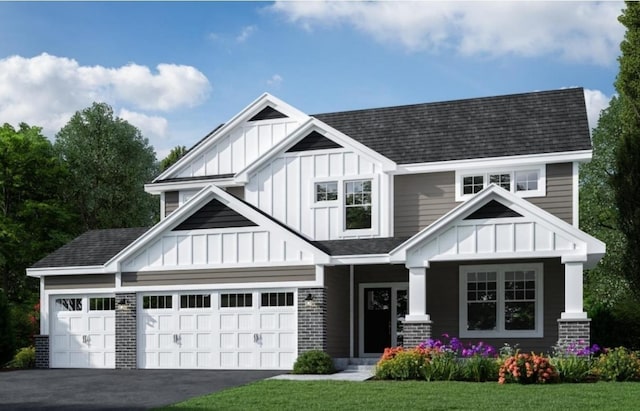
391, 395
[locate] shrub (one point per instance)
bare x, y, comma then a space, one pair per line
442, 366
24, 358
400, 364
313, 362
618, 364
574, 363
479, 369
527, 369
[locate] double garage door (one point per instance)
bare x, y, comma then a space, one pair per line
254, 329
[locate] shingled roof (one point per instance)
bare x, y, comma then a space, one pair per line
517, 124
94, 247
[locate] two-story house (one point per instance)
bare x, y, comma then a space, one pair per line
347, 232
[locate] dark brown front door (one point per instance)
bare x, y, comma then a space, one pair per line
377, 319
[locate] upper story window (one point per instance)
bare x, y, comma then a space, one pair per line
501, 300
525, 182
326, 191
357, 204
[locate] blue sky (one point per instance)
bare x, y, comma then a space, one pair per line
177, 70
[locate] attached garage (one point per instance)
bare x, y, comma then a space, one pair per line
82, 332
247, 329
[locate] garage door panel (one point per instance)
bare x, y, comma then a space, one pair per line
286, 320
268, 321
228, 322
245, 321
287, 340
186, 323
76, 325
245, 360
204, 341
245, 340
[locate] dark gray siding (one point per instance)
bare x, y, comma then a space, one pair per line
171, 202
314, 141
443, 306
214, 215
236, 191
60, 282
336, 280
559, 198
223, 276
420, 199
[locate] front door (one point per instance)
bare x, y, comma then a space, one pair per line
383, 307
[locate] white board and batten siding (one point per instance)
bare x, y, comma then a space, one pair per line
235, 247
493, 238
240, 147
284, 189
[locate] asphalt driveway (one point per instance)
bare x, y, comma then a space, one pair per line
67, 389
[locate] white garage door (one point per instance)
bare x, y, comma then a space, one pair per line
83, 332
224, 330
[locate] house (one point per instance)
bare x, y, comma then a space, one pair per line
347, 232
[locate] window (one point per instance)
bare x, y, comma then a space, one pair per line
236, 300
195, 301
102, 304
277, 299
472, 184
501, 300
157, 302
69, 304
327, 191
357, 204
529, 182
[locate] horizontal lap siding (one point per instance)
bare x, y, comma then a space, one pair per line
420, 199
236, 275
559, 198
443, 307
336, 280
61, 282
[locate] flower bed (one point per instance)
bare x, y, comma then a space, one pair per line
449, 359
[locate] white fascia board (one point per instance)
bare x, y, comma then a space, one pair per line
244, 114
360, 259
492, 162
47, 271
313, 124
157, 188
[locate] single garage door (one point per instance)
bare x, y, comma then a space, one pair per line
218, 330
83, 332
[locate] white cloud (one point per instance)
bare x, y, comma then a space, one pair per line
152, 127
245, 33
46, 90
596, 101
576, 31
275, 80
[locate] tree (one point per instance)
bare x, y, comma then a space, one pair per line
626, 179
109, 161
174, 155
7, 339
34, 219
604, 284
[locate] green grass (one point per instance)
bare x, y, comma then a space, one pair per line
417, 395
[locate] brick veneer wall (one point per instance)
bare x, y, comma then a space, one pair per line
574, 332
42, 351
126, 332
416, 332
312, 320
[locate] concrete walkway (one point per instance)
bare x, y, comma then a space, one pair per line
352, 373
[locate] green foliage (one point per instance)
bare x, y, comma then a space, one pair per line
442, 366
405, 365
627, 174
313, 362
525, 368
618, 364
34, 218
479, 369
573, 368
24, 358
617, 325
7, 338
110, 161
174, 155
25, 316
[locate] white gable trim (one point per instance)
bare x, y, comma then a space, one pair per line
192, 206
453, 239
249, 111
313, 124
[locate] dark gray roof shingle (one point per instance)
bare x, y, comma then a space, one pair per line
517, 124
360, 246
94, 247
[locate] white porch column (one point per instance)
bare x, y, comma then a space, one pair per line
573, 286
417, 295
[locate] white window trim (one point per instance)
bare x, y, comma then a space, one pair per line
326, 204
500, 332
541, 169
375, 199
